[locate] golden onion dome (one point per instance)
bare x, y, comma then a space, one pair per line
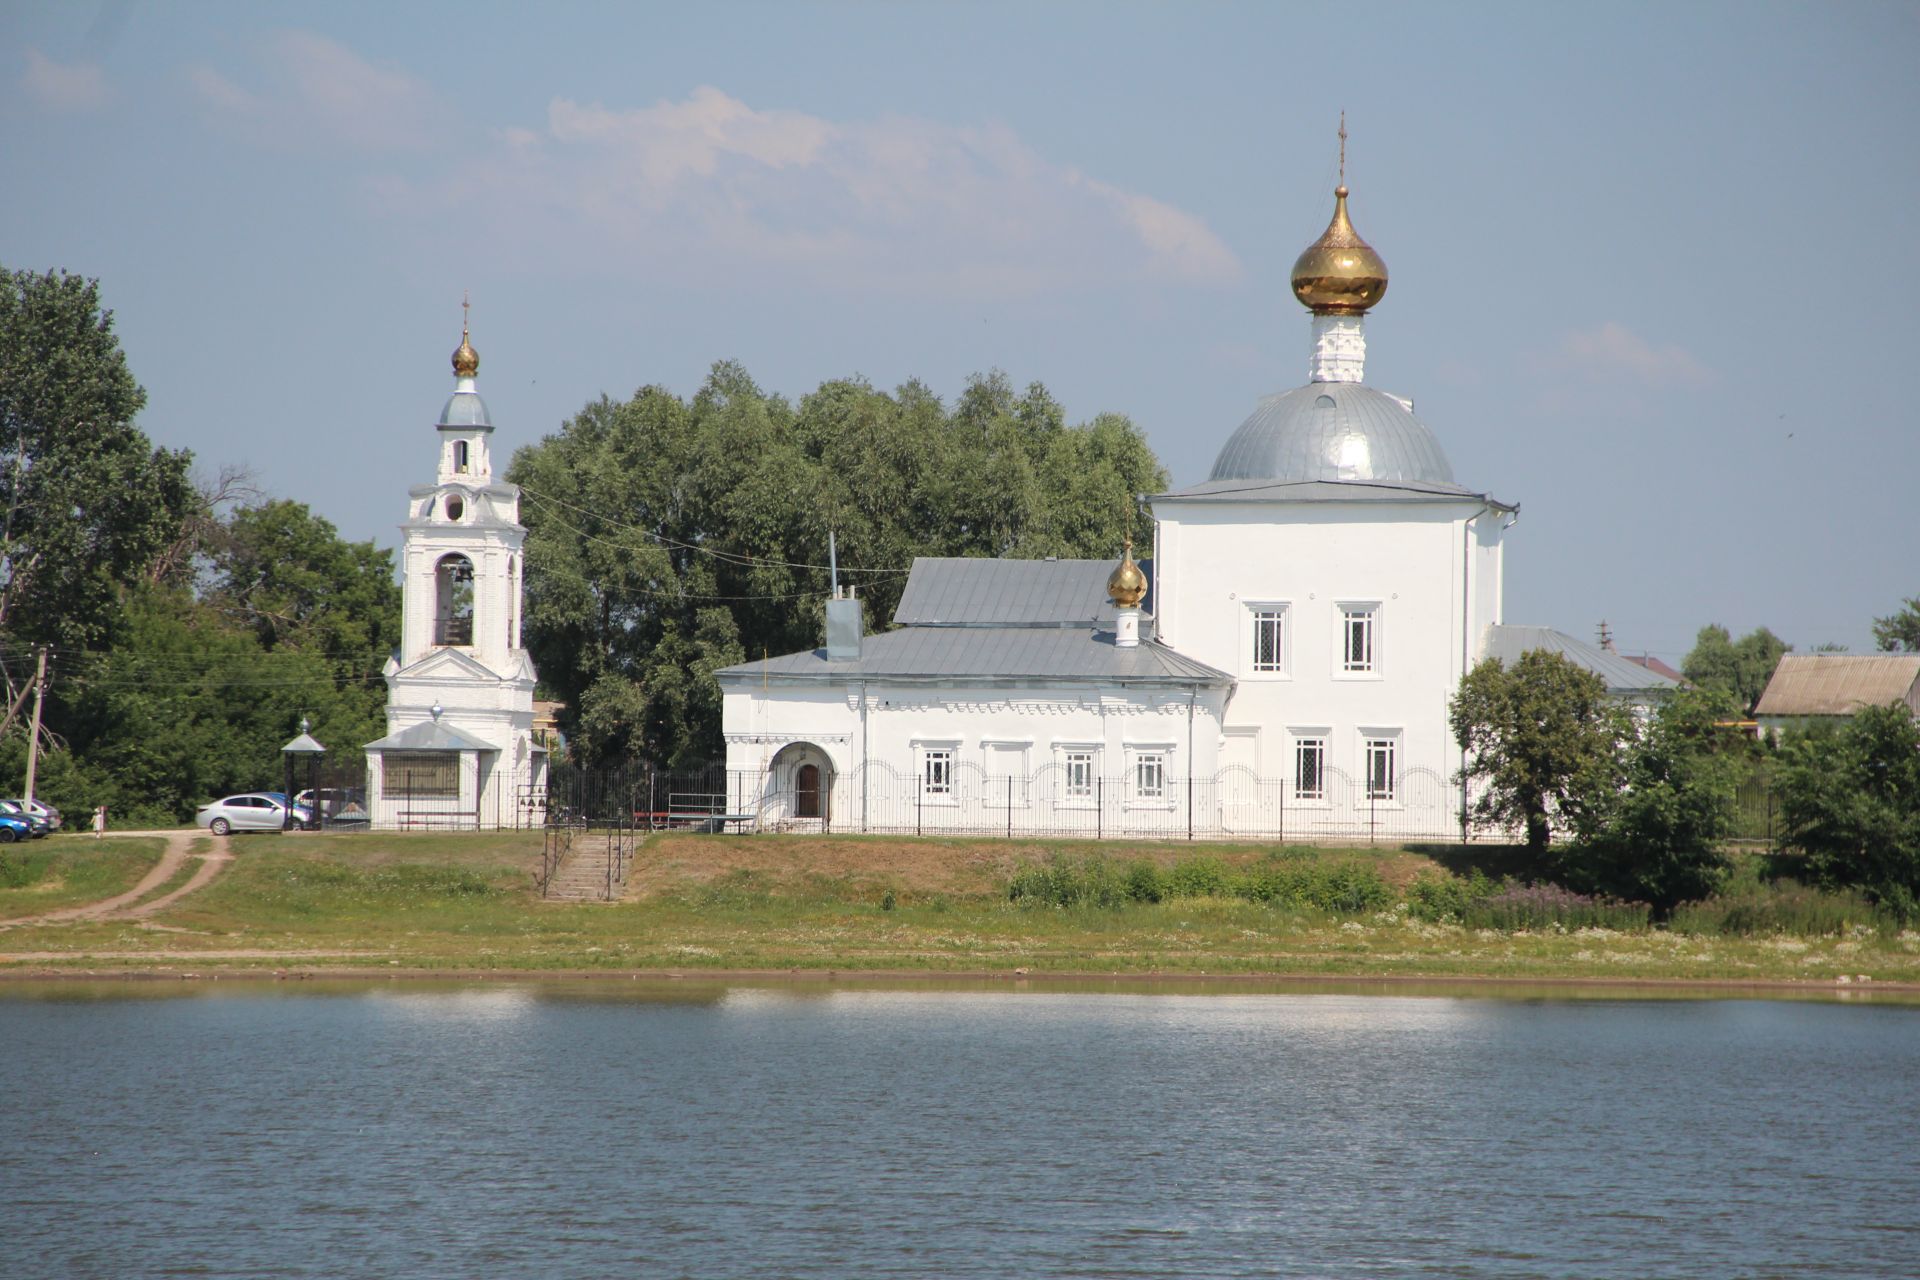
1126, 585
466, 361
1339, 274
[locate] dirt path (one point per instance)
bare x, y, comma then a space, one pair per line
120, 906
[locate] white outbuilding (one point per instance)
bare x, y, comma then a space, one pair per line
460, 749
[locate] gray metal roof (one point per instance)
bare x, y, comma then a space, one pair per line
1333, 431
1623, 678
465, 409
974, 592
992, 653
1839, 684
431, 735
1325, 491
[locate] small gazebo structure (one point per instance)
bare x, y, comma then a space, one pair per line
304, 745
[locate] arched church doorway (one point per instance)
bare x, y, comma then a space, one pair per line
453, 601
800, 781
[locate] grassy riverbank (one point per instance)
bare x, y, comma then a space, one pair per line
467, 903
68, 871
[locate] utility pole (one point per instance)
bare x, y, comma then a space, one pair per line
33, 735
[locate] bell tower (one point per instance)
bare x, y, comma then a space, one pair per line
460, 687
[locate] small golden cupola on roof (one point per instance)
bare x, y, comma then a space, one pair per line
1126, 585
1339, 274
466, 361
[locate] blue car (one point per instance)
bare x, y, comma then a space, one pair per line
14, 828
37, 826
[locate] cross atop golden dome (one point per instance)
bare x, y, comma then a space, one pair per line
466, 361
1126, 585
1339, 274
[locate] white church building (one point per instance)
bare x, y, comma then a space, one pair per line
1280, 667
460, 749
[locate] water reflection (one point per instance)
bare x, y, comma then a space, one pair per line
816, 1129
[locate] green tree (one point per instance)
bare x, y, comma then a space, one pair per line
668, 538
288, 575
1541, 737
1657, 837
1899, 632
1739, 669
86, 501
1850, 803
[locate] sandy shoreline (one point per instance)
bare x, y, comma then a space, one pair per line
1065, 980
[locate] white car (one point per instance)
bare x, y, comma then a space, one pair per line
255, 811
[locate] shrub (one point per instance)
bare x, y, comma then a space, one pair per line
1787, 909
1202, 877
1515, 907
1448, 899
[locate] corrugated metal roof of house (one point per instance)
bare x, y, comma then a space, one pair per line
1507, 643
1837, 684
958, 592
1010, 653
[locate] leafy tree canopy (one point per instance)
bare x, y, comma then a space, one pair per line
1656, 838
287, 574
1899, 632
86, 501
1740, 669
1541, 737
669, 538
1850, 802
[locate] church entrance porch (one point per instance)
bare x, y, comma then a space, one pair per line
797, 794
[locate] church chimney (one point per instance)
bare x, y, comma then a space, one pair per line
844, 628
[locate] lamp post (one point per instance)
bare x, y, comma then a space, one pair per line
304, 745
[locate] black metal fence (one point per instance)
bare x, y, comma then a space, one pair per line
963, 799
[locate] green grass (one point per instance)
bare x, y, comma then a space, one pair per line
467, 902
66, 871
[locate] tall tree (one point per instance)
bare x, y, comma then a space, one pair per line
1850, 804
1740, 669
668, 538
1541, 738
1657, 837
86, 502
1899, 632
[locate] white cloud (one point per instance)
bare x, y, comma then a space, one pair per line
316, 90
708, 186
79, 86
1613, 352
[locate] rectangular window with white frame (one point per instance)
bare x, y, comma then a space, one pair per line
1310, 768
1359, 639
1150, 776
1268, 654
1380, 766
936, 772
1078, 767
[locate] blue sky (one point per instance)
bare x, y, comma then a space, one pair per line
1653, 266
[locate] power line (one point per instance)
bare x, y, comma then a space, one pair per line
739, 558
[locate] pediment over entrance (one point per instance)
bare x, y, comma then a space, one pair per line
449, 664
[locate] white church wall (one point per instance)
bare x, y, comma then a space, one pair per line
1221, 565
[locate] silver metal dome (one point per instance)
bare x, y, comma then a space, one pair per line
1333, 431
465, 409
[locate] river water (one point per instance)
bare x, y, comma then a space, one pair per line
600, 1130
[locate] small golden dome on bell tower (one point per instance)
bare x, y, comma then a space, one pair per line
466, 361
1126, 585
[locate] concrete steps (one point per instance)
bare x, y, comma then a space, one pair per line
582, 873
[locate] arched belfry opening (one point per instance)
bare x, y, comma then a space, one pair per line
453, 601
